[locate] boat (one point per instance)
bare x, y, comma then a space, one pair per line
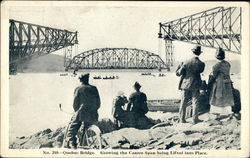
146, 73
161, 75
98, 77
110, 77
66, 74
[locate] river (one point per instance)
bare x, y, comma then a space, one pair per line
35, 97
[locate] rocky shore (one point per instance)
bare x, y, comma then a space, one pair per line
211, 133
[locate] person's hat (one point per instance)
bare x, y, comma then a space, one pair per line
84, 76
197, 50
120, 93
220, 54
137, 85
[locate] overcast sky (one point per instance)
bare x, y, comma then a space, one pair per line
117, 26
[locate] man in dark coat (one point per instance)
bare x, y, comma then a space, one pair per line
86, 103
190, 83
138, 106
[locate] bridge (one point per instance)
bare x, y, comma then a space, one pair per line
28, 40
217, 27
116, 58
214, 28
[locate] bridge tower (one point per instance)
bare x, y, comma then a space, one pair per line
214, 28
27, 41
168, 50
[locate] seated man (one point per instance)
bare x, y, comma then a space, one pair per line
138, 106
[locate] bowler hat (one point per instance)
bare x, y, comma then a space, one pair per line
137, 85
84, 76
220, 54
197, 50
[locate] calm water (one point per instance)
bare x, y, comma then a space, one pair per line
34, 97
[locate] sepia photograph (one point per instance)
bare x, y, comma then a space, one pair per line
124, 79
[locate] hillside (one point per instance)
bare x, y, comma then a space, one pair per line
46, 63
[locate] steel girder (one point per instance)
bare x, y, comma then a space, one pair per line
27, 40
116, 58
217, 27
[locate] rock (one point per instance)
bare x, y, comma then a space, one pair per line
47, 145
46, 131
169, 144
188, 132
136, 146
59, 131
211, 134
57, 144
125, 146
152, 141
106, 125
178, 146
214, 122
237, 130
123, 141
177, 139
193, 141
59, 137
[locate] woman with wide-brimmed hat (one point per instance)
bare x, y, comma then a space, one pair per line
118, 110
220, 86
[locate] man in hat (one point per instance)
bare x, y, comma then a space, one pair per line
137, 103
86, 103
190, 83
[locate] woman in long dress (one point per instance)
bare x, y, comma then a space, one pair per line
220, 86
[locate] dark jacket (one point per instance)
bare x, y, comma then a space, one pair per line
138, 100
87, 97
190, 74
220, 85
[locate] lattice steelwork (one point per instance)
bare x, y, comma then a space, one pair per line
116, 58
27, 40
169, 52
217, 27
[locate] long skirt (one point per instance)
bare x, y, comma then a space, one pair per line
221, 110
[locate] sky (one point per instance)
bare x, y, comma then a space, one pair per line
115, 26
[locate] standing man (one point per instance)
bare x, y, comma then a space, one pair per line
138, 104
190, 83
86, 103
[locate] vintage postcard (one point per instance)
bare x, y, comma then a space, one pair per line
124, 79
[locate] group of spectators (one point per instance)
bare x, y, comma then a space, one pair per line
131, 112
223, 98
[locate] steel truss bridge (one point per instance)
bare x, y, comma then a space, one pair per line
217, 27
116, 58
30, 40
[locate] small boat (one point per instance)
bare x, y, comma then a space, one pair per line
146, 73
96, 78
162, 75
66, 74
110, 77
